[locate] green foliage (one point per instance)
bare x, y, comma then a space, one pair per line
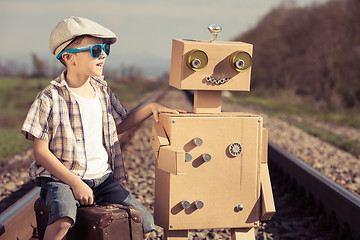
12, 142
313, 50
16, 96
38, 66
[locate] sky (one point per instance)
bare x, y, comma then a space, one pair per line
145, 28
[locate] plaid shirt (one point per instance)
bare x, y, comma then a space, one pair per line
55, 118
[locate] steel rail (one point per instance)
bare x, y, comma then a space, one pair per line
18, 221
334, 197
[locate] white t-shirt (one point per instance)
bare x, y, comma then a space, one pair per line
96, 154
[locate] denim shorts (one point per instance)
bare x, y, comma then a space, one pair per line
60, 200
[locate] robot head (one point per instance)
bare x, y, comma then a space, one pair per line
210, 65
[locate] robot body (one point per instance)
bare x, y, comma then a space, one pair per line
211, 166
222, 173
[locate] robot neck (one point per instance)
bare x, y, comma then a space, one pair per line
207, 101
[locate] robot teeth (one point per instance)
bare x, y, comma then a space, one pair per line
217, 81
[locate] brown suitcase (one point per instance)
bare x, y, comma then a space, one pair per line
105, 221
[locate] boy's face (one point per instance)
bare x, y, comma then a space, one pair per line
84, 63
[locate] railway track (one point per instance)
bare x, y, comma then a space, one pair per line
332, 208
333, 205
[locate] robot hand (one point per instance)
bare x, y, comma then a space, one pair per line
168, 158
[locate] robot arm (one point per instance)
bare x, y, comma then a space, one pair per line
267, 199
168, 158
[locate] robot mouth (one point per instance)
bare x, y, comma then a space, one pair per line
217, 81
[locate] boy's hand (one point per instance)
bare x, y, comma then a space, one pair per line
83, 193
158, 108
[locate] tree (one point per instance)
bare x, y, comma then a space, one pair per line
38, 65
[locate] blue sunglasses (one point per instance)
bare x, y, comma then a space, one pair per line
95, 50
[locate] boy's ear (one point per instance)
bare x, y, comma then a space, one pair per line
68, 58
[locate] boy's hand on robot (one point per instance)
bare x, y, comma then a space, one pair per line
158, 108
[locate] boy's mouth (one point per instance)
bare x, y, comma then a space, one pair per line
100, 64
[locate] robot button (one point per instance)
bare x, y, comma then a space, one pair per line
206, 157
199, 204
185, 204
235, 149
198, 141
239, 208
188, 157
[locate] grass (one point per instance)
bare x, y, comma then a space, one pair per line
284, 106
290, 106
343, 143
12, 142
17, 95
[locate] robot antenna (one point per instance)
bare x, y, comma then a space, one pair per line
214, 30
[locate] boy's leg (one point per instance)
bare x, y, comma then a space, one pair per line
114, 192
58, 229
62, 207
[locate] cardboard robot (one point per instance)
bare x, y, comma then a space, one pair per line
211, 166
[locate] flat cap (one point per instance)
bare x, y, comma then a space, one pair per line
72, 27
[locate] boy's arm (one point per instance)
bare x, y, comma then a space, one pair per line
82, 192
141, 114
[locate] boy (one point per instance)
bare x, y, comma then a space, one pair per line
74, 124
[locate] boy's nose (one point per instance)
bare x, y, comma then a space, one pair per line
103, 54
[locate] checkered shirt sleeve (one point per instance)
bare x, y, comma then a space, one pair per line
118, 111
38, 120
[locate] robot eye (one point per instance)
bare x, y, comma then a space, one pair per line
196, 60
240, 61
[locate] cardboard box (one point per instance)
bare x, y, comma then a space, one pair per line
221, 183
219, 65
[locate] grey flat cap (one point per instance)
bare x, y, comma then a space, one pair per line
73, 27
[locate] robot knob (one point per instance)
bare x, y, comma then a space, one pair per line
188, 157
196, 63
199, 204
206, 157
198, 141
240, 64
185, 204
